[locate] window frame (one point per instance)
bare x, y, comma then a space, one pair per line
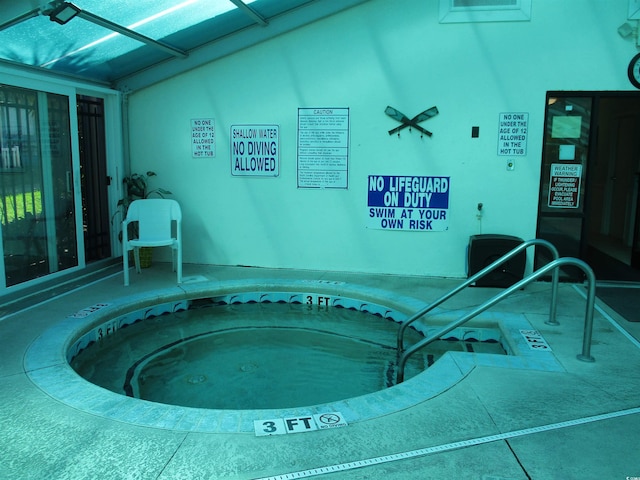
520, 12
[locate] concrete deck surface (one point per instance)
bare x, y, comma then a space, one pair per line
581, 421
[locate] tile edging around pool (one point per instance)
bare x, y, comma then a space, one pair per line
46, 364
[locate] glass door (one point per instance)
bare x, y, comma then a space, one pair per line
94, 178
589, 204
561, 212
635, 247
37, 207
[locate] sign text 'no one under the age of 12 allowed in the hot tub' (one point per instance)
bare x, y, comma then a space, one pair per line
203, 137
408, 203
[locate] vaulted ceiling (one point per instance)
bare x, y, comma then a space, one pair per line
129, 44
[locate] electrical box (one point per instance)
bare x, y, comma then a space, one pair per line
483, 250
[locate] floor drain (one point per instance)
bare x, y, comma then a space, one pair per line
195, 379
249, 367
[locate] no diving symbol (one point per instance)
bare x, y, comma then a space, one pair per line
329, 418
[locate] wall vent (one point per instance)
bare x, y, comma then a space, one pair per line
459, 11
484, 3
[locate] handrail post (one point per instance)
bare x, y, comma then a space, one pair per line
585, 355
555, 278
523, 246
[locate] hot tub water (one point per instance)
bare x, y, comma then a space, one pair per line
256, 355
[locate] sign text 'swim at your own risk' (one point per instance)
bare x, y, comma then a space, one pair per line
408, 203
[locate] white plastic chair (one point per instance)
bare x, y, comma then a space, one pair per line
155, 218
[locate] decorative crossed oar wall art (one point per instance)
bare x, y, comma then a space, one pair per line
413, 122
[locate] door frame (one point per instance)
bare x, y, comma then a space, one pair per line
584, 215
114, 133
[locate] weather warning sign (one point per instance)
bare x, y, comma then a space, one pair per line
408, 203
564, 185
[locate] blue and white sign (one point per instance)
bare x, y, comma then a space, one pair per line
408, 203
255, 150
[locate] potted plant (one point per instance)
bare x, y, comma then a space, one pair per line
136, 187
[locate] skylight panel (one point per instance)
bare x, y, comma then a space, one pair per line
80, 44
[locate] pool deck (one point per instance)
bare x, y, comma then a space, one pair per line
579, 421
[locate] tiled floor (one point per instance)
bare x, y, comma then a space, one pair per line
576, 420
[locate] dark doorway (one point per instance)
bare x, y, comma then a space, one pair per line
94, 178
613, 190
589, 198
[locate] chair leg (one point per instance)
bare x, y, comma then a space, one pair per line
179, 263
136, 257
125, 260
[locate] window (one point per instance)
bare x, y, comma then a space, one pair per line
459, 11
37, 209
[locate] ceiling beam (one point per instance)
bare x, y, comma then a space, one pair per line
250, 12
20, 19
90, 17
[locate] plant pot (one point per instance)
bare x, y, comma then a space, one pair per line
145, 257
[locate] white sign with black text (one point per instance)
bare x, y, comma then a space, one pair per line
255, 150
534, 340
307, 423
203, 137
512, 134
323, 147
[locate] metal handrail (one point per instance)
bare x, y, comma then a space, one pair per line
585, 355
480, 274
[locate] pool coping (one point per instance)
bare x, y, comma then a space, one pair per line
46, 361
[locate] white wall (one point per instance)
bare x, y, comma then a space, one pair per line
378, 54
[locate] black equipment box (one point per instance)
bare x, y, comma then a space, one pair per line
485, 249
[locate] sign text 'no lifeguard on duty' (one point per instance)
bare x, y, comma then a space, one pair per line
408, 203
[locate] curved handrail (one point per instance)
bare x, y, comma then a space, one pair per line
585, 355
477, 276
